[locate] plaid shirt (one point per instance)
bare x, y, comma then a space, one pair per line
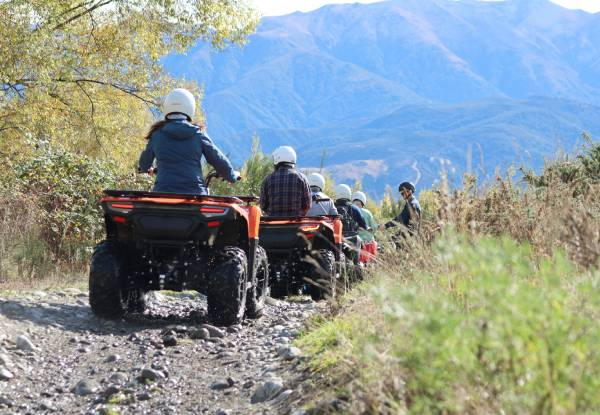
285, 192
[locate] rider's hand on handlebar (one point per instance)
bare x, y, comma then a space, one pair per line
152, 170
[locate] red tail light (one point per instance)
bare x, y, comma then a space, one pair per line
310, 228
122, 208
119, 219
205, 209
122, 205
213, 211
213, 224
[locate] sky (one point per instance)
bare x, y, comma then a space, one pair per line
279, 7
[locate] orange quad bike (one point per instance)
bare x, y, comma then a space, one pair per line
368, 252
165, 241
305, 255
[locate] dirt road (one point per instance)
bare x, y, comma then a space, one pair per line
56, 357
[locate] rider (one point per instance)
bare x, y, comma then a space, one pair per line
410, 216
352, 217
352, 222
321, 203
360, 199
178, 145
285, 192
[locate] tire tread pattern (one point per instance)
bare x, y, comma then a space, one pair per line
106, 298
227, 287
323, 281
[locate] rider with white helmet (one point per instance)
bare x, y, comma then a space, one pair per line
321, 203
352, 217
285, 192
360, 200
369, 248
178, 146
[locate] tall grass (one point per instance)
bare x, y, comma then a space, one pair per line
25, 257
493, 310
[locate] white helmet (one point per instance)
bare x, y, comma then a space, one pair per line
316, 180
343, 191
284, 154
360, 196
180, 100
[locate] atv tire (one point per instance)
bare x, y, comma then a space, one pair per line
255, 301
322, 282
137, 301
279, 288
354, 270
107, 299
343, 284
227, 288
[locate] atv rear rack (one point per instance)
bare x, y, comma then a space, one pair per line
297, 219
186, 196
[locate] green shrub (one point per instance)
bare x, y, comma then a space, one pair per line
253, 172
486, 328
67, 188
577, 173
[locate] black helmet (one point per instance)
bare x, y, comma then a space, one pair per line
407, 185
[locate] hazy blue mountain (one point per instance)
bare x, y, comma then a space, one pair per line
381, 86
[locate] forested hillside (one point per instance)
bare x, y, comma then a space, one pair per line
520, 78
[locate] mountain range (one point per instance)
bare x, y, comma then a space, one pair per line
400, 89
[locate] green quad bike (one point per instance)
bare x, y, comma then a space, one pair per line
164, 241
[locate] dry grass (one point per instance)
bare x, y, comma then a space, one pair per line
26, 259
493, 310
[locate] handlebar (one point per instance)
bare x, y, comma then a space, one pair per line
209, 178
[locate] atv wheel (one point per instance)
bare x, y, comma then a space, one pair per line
227, 287
353, 267
255, 302
137, 301
342, 280
106, 297
280, 288
355, 272
322, 282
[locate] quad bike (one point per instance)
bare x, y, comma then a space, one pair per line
368, 252
166, 241
352, 248
304, 255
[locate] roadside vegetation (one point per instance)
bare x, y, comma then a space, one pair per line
493, 311
80, 84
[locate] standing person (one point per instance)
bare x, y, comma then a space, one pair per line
367, 235
178, 145
321, 203
285, 192
410, 216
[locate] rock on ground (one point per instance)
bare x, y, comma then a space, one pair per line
62, 359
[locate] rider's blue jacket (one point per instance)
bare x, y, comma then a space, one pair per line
178, 147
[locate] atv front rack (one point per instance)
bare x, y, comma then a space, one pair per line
185, 196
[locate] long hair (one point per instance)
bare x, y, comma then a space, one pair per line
159, 124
